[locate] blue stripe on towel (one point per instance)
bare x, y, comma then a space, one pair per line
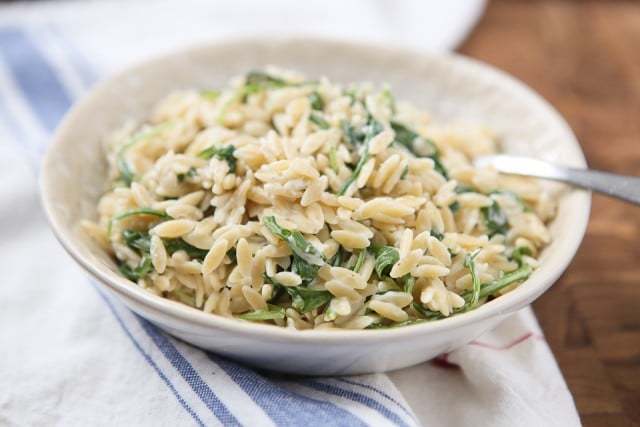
189, 374
150, 360
9, 122
87, 73
34, 76
374, 389
356, 397
285, 407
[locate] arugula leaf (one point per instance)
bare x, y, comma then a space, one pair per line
372, 129
302, 299
464, 189
141, 241
387, 97
490, 288
419, 146
318, 121
351, 135
134, 212
255, 81
137, 240
378, 326
316, 101
409, 283
486, 289
127, 175
470, 263
175, 245
437, 235
496, 219
256, 77
221, 153
460, 189
333, 159
231, 253
428, 314
360, 260
302, 268
396, 324
351, 93
337, 259
405, 172
191, 172
278, 288
296, 242
138, 272
210, 94
185, 298
385, 258
305, 299
518, 253
273, 313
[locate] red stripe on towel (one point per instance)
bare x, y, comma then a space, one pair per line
512, 344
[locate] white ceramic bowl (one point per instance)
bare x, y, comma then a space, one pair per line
449, 86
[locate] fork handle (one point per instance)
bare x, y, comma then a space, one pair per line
621, 186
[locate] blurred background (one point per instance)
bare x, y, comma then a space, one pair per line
582, 56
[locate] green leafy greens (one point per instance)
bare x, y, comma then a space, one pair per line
135, 212
210, 94
184, 297
417, 145
273, 313
470, 263
255, 81
319, 121
373, 128
305, 299
307, 260
518, 253
489, 288
127, 175
360, 260
141, 241
316, 101
387, 97
385, 258
480, 291
351, 134
138, 272
221, 153
496, 219
333, 159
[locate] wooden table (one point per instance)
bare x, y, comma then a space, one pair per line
584, 58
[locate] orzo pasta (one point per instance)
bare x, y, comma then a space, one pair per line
307, 204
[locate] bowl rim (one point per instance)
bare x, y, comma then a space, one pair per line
505, 304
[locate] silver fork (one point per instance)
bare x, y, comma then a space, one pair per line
621, 186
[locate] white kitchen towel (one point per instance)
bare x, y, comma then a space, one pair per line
71, 356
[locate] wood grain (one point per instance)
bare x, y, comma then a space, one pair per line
584, 58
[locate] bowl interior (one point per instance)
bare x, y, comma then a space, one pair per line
448, 86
